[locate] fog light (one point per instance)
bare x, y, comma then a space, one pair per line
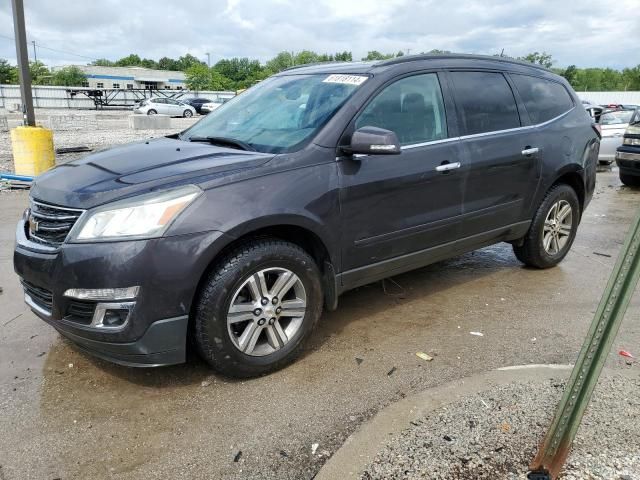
112, 316
103, 293
115, 318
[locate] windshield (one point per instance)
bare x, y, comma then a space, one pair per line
620, 117
279, 114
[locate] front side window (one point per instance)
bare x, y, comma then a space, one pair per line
542, 98
281, 113
485, 102
411, 107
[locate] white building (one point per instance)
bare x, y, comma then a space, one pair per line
131, 77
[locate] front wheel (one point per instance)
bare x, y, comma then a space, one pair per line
257, 307
151, 112
552, 230
187, 113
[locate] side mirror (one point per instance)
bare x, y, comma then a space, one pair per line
374, 141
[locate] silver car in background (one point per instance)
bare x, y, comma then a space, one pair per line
612, 124
164, 106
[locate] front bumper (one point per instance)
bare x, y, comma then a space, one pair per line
166, 269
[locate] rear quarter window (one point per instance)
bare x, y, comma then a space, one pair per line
542, 98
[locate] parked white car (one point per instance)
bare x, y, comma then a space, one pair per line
211, 106
612, 124
165, 106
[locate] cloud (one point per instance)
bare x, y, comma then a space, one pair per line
593, 33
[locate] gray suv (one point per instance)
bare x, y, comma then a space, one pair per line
237, 232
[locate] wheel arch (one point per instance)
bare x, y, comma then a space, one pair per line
572, 176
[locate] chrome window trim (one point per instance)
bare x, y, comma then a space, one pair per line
477, 135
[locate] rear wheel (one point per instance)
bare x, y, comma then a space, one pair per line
552, 230
151, 112
257, 308
187, 113
630, 180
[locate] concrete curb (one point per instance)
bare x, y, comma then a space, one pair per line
362, 446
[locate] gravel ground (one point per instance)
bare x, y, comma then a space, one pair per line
112, 129
494, 435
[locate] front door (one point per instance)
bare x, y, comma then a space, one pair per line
395, 205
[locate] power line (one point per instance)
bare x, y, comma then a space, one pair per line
54, 49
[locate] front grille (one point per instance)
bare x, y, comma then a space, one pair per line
40, 296
80, 312
50, 224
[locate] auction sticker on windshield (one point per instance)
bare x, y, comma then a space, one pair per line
347, 79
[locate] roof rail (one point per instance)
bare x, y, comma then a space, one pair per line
449, 56
328, 62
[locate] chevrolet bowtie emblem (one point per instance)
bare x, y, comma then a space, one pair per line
33, 225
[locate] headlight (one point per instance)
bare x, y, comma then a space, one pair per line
631, 141
145, 216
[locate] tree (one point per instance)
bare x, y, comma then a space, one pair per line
280, 62
8, 72
40, 74
131, 60
103, 62
543, 59
343, 56
239, 69
306, 56
571, 74
69, 77
198, 77
375, 55
187, 61
166, 63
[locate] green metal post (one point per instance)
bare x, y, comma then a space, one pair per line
604, 328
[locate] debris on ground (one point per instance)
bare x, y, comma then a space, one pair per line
602, 254
424, 356
477, 334
390, 372
359, 360
624, 353
236, 459
314, 447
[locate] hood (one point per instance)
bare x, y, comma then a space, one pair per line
137, 168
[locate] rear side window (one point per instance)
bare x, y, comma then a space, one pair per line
542, 98
411, 107
485, 102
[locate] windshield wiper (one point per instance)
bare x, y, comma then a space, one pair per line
224, 142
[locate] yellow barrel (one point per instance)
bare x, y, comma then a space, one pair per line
32, 150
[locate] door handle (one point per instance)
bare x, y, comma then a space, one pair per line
528, 151
445, 167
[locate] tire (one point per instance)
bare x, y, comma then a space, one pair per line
532, 251
630, 180
151, 112
230, 282
187, 114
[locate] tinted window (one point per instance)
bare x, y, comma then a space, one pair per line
543, 99
619, 117
411, 107
485, 102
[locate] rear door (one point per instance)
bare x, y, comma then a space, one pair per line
160, 105
503, 159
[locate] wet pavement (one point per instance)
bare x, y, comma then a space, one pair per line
66, 415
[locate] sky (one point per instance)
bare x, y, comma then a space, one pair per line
582, 32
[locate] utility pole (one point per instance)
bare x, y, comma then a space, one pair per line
35, 55
23, 63
208, 59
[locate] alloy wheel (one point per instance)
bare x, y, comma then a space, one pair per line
557, 227
266, 311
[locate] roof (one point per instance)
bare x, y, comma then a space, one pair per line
367, 67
